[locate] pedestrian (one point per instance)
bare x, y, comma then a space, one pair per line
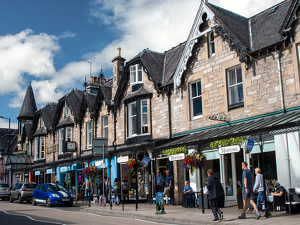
159, 182
168, 187
117, 186
125, 188
107, 189
215, 192
259, 187
247, 192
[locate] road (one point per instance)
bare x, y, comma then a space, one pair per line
27, 214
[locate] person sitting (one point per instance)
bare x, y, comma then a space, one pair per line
188, 192
159, 182
230, 188
280, 192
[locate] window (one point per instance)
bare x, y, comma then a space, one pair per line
61, 140
144, 111
196, 100
39, 148
235, 87
136, 74
67, 109
68, 134
88, 134
132, 125
105, 126
42, 124
211, 44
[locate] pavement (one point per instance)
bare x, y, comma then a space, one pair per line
180, 215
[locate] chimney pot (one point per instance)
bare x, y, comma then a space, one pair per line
91, 79
118, 51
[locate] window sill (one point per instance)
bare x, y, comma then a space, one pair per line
236, 105
197, 117
138, 135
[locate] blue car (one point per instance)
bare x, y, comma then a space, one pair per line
51, 194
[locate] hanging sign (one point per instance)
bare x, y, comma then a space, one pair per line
229, 149
249, 145
122, 159
146, 160
176, 157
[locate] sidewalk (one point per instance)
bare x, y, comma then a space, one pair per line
180, 215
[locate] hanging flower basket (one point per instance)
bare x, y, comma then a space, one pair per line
131, 165
90, 172
193, 161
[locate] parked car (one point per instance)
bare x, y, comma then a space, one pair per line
51, 194
22, 192
4, 191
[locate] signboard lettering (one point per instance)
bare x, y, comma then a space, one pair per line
176, 157
100, 164
37, 172
122, 159
229, 149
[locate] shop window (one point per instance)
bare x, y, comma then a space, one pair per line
196, 100
211, 44
235, 87
105, 126
144, 116
88, 135
136, 74
132, 118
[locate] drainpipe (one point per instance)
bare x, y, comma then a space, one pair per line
115, 125
169, 111
277, 55
80, 139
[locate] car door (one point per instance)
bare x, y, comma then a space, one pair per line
43, 193
37, 193
15, 191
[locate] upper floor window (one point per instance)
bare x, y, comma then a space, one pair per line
132, 119
88, 135
105, 126
68, 134
136, 74
211, 44
235, 87
196, 100
144, 111
67, 109
42, 124
61, 140
39, 148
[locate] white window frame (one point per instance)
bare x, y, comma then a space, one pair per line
130, 119
105, 126
88, 134
36, 148
61, 140
42, 148
68, 134
142, 113
230, 86
67, 109
211, 44
135, 71
192, 99
42, 124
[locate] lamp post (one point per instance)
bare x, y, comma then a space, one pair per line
2, 117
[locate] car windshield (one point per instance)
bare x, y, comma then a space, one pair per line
30, 186
55, 187
3, 185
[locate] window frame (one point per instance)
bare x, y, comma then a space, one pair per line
104, 126
89, 134
61, 140
142, 113
194, 117
42, 148
229, 87
130, 120
138, 68
67, 109
68, 136
211, 44
36, 148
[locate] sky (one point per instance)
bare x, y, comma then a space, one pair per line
48, 43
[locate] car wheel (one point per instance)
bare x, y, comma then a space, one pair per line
33, 201
48, 202
19, 199
11, 198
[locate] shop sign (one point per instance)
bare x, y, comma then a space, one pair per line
249, 145
20, 152
37, 173
71, 146
229, 149
52, 149
63, 169
100, 164
176, 157
49, 171
146, 160
122, 159
160, 203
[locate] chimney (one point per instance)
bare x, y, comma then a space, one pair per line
91, 79
118, 69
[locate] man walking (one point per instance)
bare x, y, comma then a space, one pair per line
247, 191
215, 192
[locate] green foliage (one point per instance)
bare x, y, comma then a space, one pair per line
239, 190
174, 151
227, 142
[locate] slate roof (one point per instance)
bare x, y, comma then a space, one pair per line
65, 122
74, 98
28, 129
90, 99
40, 132
29, 106
107, 94
140, 92
48, 112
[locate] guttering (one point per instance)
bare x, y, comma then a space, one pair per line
277, 56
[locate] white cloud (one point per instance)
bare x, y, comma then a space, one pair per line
67, 34
5, 124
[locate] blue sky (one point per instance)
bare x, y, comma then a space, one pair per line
42, 41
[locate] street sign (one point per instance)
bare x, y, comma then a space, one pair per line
100, 146
249, 146
229, 149
146, 160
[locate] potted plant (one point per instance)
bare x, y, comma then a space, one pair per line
132, 165
193, 161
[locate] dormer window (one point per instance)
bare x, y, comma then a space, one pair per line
136, 74
42, 124
211, 44
67, 109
